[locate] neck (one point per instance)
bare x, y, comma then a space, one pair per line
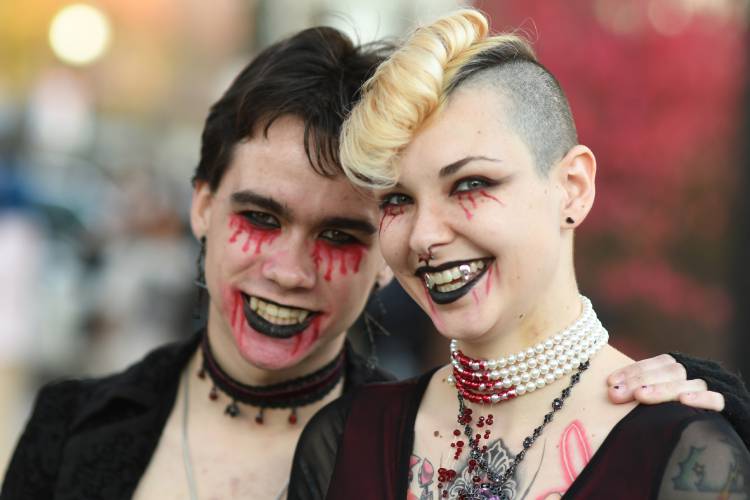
528, 326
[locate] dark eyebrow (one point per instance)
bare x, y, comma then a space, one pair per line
349, 223
248, 197
454, 167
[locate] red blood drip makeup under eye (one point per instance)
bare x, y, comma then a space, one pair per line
390, 212
327, 255
485, 194
462, 197
251, 234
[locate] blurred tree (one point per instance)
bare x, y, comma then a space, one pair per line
654, 86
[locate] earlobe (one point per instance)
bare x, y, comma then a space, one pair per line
384, 276
577, 176
200, 209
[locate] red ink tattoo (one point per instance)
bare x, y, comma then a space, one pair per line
390, 212
426, 473
347, 255
252, 233
575, 453
485, 194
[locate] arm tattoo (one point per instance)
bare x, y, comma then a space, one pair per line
714, 468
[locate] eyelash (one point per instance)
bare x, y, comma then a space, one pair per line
386, 202
262, 220
485, 183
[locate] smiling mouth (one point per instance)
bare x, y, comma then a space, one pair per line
451, 281
273, 319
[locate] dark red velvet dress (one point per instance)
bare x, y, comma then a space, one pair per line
359, 448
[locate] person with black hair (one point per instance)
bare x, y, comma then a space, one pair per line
289, 258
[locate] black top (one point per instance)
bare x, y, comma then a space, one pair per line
359, 447
94, 438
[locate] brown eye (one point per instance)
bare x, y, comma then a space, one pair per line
338, 237
261, 219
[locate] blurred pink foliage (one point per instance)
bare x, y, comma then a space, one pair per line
661, 113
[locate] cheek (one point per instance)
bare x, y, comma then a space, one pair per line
332, 260
471, 201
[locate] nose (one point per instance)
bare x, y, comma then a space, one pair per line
291, 267
430, 232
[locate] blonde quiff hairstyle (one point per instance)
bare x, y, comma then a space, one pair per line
410, 87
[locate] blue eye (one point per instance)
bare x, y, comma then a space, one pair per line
394, 200
261, 219
471, 184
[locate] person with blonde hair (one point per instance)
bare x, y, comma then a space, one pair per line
470, 146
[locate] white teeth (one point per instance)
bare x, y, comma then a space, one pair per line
278, 315
442, 281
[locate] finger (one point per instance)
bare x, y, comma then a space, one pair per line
673, 372
707, 400
620, 393
635, 369
667, 391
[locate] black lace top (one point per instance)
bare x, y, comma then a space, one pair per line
93, 439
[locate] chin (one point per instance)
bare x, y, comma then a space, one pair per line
270, 353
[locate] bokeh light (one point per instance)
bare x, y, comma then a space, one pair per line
79, 34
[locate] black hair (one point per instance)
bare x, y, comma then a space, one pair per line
315, 75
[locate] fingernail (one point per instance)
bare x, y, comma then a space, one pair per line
646, 388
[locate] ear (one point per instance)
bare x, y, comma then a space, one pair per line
200, 209
576, 174
384, 276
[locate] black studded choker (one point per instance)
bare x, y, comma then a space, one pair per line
291, 394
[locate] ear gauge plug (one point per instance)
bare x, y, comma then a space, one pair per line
570, 220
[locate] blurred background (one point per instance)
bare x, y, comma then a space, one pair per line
101, 110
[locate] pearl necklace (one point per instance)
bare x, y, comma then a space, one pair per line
494, 380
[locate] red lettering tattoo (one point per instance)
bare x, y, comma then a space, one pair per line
348, 256
252, 233
575, 453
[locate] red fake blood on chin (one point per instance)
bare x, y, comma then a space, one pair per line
237, 313
476, 297
390, 212
308, 340
252, 234
348, 257
485, 194
462, 197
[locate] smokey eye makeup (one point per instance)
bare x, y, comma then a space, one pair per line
339, 238
469, 184
261, 220
392, 200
